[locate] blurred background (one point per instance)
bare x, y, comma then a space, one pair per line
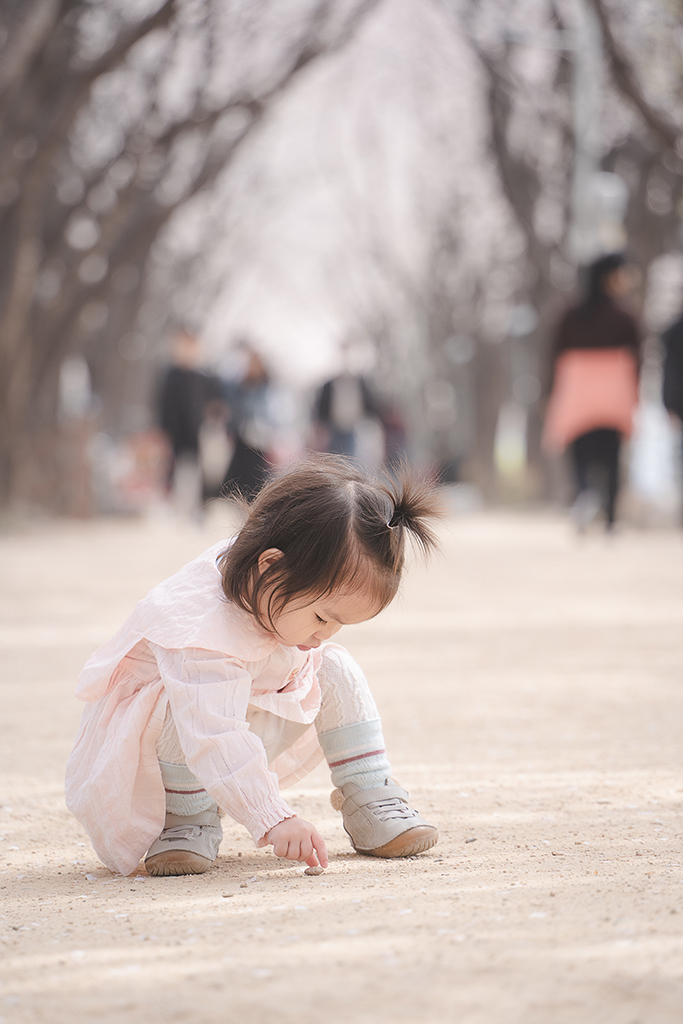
233, 231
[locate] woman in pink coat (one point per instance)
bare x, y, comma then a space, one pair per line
223, 684
596, 362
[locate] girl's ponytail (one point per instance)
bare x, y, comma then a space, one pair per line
416, 507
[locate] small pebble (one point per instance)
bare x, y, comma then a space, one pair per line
243, 885
227, 895
472, 840
314, 871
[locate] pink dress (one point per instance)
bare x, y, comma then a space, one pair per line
163, 653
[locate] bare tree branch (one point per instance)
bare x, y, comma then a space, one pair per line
27, 40
626, 81
113, 57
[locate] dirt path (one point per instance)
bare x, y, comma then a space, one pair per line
532, 692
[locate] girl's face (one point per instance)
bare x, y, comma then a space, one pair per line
306, 623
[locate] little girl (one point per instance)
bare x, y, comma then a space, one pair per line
223, 685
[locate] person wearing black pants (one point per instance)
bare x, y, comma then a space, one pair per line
594, 387
596, 470
672, 378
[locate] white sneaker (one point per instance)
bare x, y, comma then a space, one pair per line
188, 844
381, 823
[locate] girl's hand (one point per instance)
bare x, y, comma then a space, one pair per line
296, 839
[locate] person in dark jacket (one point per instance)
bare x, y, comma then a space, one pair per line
672, 383
184, 393
341, 405
249, 397
344, 403
672, 380
596, 363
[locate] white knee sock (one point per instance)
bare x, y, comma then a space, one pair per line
348, 724
185, 794
355, 753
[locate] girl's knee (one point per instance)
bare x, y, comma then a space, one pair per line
338, 665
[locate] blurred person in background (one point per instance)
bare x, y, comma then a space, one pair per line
395, 436
594, 387
216, 446
184, 393
672, 382
343, 405
250, 393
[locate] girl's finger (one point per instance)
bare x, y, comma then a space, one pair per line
281, 848
320, 849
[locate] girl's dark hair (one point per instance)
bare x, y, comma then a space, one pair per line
336, 525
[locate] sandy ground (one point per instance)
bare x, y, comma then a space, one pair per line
531, 687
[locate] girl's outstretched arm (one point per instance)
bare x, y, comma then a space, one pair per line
296, 839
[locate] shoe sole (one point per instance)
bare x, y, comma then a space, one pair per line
408, 844
177, 862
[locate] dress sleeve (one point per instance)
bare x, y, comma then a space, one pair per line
209, 694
